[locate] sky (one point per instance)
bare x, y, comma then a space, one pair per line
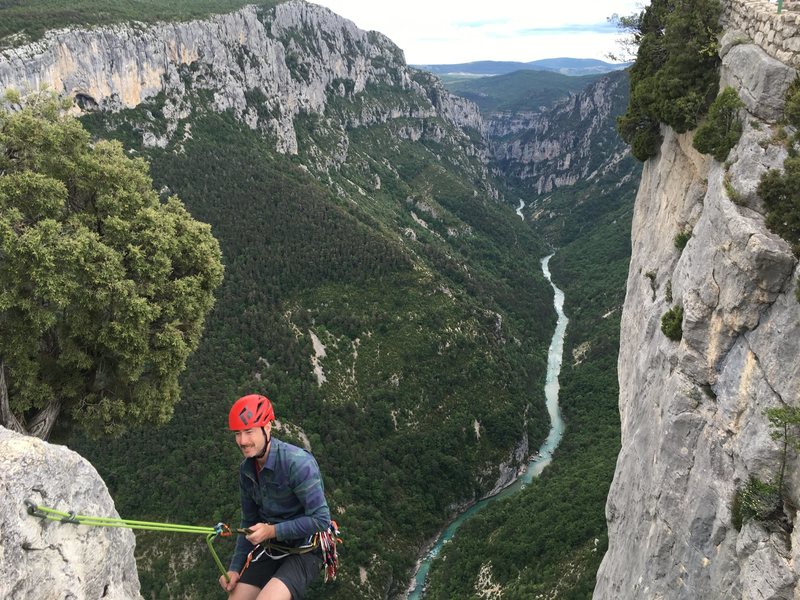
457, 31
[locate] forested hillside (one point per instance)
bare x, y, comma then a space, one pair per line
423, 289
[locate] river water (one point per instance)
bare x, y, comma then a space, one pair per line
540, 460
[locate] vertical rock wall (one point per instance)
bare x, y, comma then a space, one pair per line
692, 412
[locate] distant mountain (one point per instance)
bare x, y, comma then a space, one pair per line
565, 66
523, 90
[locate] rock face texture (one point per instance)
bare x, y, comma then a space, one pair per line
693, 425
46, 559
573, 141
267, 66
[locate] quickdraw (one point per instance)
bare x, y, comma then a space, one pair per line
211, 533
330, 559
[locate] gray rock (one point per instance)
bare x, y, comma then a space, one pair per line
44, 559
693, 423
760, 80
292, 58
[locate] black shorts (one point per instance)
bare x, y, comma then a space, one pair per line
296, 571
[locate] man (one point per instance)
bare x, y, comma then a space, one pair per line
283, 507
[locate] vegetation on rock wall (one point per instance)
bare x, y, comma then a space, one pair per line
672, 323
779, 190
723, 128
675, 76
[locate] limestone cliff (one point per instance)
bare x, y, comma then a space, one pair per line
692, 412
44, 559
266, 65
574, 140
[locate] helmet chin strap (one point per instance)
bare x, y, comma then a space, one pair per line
266, 444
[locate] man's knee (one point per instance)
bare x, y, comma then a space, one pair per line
275, 590
244, 591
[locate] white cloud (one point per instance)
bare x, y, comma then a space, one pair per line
453, 31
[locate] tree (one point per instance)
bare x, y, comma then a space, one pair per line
784, 422
675, 76
722, 130
104, 288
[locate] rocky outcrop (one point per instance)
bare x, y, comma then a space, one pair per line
45, 559
266, 65
573, 141
692, 412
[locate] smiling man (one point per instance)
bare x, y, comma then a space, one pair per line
283, 508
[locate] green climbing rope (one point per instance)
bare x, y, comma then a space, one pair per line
211, 533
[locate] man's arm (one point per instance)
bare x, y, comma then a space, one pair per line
249, 517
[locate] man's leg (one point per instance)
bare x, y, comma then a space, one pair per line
275, 590
245, 591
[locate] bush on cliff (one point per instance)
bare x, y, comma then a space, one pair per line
672, 323
723, 128
675, 76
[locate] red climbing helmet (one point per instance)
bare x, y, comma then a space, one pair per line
249, 412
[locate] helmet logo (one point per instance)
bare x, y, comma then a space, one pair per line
245, 415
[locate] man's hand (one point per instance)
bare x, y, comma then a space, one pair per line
260, 532
233, 579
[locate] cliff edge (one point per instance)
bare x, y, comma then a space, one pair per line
47, 559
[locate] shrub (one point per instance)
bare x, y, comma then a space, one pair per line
681, 239
756, 500
792, 109
781, 195
672, 323
723, 128
675, 77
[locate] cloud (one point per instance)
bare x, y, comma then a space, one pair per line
481, 23
568, 29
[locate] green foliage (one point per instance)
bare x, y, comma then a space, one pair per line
681, 239
781, 195
784, 422
32, 18
672, 323
103, 287
723, 128
792, 107
756, 500
674, 78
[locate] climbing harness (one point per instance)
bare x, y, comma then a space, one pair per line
324, 540
211, 533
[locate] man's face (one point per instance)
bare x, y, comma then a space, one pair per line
251, 441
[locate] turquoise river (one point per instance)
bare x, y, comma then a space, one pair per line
540, 460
